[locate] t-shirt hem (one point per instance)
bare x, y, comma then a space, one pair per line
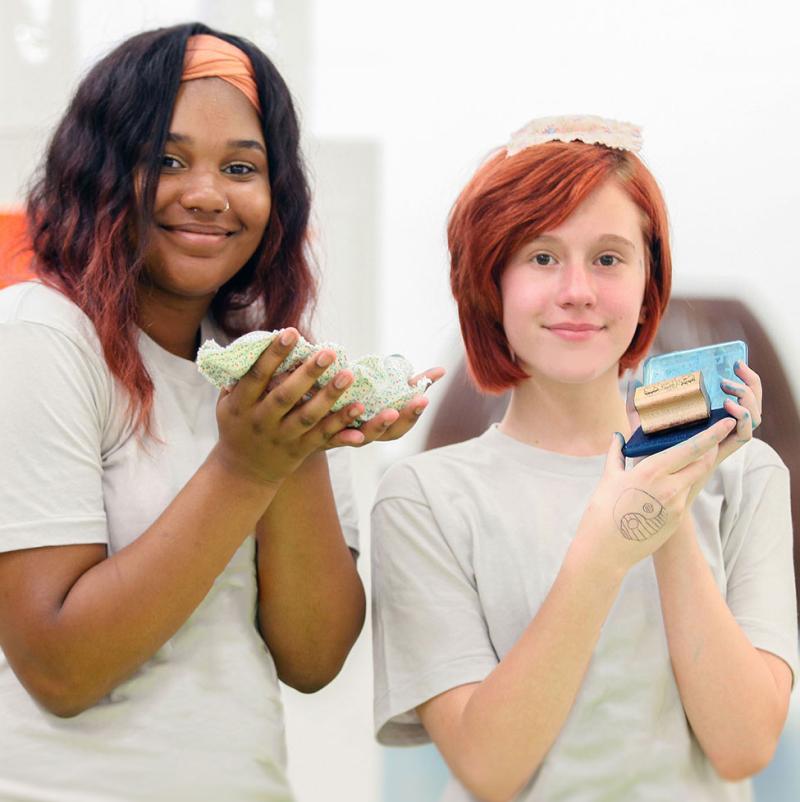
395, 703
769, 640
52, 532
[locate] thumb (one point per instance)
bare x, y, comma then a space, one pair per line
615, 460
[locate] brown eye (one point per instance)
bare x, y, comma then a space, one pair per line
239, 169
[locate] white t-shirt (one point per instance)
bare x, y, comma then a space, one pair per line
467, 541
202, 719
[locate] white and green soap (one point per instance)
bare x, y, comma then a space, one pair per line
378, 382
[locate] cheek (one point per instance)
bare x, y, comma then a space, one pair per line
623, 301
258, 206
522, 296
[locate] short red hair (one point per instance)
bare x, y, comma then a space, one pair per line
513, 199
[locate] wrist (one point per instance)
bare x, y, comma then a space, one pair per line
585, 556
679, 544
227, 469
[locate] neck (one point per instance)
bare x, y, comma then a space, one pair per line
173, 322
573, 419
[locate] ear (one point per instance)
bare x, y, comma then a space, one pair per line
642, 315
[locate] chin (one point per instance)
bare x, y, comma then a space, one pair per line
574, 371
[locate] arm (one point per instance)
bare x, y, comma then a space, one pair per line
736, 697
311, 601
74, 624
494, 734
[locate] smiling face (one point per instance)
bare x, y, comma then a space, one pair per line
213, 198
572, 297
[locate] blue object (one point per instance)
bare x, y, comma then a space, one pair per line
716, 363
642, 445
413, 774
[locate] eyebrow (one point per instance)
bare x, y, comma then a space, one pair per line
613, 238
251, 144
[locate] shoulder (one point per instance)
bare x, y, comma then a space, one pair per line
753, 474
432, 472
35, 306
752, 459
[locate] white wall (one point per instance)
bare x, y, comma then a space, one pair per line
714, 83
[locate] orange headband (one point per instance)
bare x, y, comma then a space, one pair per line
209, 57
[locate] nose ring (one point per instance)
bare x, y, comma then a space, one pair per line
196, 209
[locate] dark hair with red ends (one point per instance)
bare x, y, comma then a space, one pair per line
511, 200
90, 208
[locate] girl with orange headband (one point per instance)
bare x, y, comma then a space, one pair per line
168, 554
522, 623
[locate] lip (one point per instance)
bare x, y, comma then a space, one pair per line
198, 236
574, 331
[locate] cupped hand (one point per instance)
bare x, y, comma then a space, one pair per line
632, 513
267, 430
390, 424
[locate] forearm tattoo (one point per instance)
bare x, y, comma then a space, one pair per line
638, 515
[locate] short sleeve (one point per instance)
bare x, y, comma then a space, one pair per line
340, 469
760, 577
51, 412
429, 631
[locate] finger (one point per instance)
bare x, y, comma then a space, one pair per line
281, 400
346, 437
699, 470
679, 456
434, 374
333, 430
377, 426
311, 411
748, 376
746, 397
749, 396
254, 383
409, 415
741, 391
744, 420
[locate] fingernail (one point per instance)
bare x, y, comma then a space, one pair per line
286, 337
324, 359
341, 381
353, 412
419, 410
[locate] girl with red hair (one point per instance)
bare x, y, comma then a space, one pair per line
548, 648
166, 555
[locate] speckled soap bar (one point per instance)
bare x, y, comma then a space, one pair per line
378, 382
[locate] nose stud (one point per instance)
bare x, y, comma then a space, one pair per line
196, 209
